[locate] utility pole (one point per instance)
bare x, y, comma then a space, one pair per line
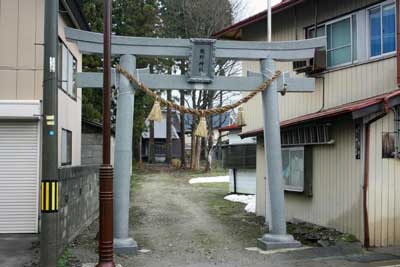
49, 185
269, 21
106, 246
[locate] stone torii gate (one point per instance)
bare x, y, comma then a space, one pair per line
201, 54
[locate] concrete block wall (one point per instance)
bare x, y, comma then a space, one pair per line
78, 201
92, 148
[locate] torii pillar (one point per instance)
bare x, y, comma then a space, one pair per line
123, 160
277, 237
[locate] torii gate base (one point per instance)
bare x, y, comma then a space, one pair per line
270, 242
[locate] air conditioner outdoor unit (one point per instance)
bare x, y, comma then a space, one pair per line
312, 65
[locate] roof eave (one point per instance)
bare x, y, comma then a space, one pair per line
76, 14
376, 104
257, 17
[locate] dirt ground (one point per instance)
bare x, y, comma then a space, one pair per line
178, 224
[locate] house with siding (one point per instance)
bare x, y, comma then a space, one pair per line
239, 157
160, 138
341, 161
21, 91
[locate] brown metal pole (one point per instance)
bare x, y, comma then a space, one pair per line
106, 252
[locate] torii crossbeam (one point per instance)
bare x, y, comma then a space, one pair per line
201, 53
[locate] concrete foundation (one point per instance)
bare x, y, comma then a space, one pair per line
270, 242
125, 246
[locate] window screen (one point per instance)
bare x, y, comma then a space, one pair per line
293, 168
339, 38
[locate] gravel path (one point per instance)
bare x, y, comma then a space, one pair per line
182, 225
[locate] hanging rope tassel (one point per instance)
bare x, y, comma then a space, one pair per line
155, 113
201, 130
240, 117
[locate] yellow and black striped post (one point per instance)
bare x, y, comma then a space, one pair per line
49, 196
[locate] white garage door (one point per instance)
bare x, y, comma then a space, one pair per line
19, 165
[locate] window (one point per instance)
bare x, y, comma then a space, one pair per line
382, 29
66, 147
67, 68
239, 156
341, 41
293, 168
320, 32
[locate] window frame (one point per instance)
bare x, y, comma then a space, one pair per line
69, 149
60, 55
349, 16
368, 23
290, 188
331, 22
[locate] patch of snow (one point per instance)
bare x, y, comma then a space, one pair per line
274, 251
205, 180
249, 200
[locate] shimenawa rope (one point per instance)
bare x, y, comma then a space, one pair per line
155, 114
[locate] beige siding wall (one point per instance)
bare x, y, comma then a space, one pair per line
21, 63
383, 190
69, 109
21, 58
337, 192
341, 85
338, 177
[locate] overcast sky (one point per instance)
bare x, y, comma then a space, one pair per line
255, 6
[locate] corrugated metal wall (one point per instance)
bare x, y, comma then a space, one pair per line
338, 177
341, 86
384, 188
337, 191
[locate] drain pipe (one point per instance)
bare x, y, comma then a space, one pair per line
366, 172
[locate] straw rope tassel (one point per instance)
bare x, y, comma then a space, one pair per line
155, 113
240, 117
201, 130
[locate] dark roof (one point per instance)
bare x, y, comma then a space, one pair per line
231, 127
233, 30
215, 119
89, 126
356, 109
76, 9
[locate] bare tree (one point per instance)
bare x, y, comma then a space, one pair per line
199, 19
182, 132
168, 143
152, 157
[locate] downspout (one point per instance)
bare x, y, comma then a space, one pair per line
323, 93
234, 182
366, 169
